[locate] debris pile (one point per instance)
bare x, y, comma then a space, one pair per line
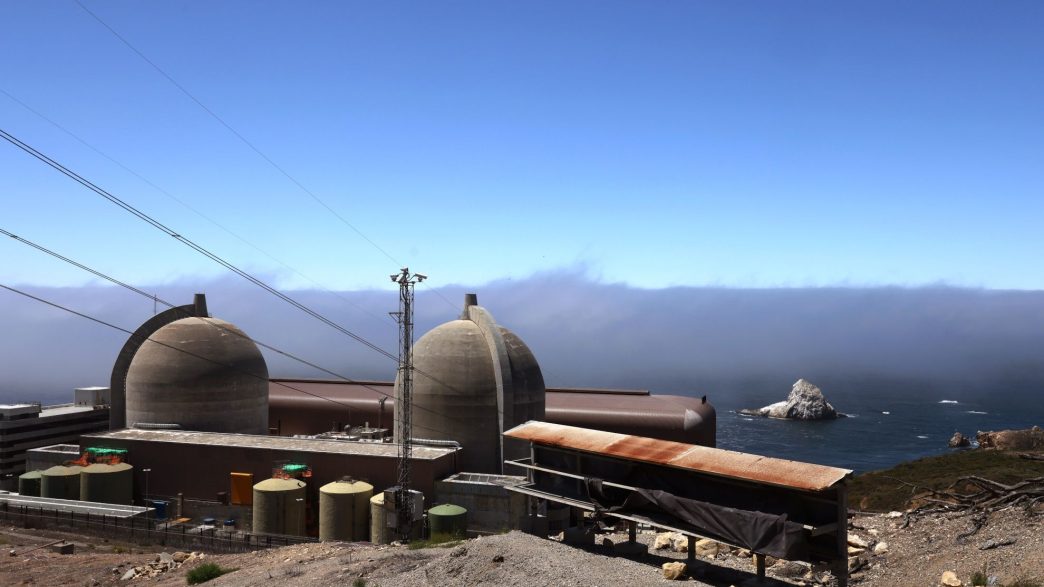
163, 563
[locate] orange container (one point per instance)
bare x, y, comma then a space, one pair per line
242, 489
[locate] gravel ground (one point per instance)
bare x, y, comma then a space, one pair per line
916, 555
920, 553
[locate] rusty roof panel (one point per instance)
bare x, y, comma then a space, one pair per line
714, 461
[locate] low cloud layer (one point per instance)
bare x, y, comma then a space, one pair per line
734, 342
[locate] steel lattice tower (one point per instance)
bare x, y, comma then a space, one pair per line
403, 401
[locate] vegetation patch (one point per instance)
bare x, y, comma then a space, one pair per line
205, 572
893, 489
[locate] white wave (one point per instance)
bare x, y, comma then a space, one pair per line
948, 401
921, 436
975, 412
887, 413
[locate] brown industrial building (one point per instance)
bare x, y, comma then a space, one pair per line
310, 406
199, 464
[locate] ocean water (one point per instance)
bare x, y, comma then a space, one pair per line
879, 433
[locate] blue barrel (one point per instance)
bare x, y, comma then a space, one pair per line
160, 508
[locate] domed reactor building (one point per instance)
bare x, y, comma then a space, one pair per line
185, 370
474, 379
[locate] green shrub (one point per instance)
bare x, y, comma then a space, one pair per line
205, 572
359, 582
979, 578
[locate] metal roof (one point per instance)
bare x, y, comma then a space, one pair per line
374, 449
713, 461
70, 505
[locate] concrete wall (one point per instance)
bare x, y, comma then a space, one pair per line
491, 508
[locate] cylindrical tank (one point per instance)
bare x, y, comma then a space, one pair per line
448, 519
107, 483
29, 484
60, 482
279, 507
380, 533
202, 374
344, 510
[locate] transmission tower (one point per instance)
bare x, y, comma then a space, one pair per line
403, 401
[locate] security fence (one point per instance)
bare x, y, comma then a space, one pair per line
138, 530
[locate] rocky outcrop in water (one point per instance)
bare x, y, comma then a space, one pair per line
805, 402
959, 441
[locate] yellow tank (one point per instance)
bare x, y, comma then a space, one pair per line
107, 483
344, 510
279, 507
60, 482
379, 531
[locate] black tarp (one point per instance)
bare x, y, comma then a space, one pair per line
759, 532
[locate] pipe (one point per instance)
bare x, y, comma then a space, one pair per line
156, 426
434, 442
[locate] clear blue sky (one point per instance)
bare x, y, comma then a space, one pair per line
655, 143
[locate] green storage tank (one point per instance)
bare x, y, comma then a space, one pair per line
60, 482
279, 507
448, 519
29, 484
344, 510
107, 483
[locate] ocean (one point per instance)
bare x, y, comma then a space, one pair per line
879, 433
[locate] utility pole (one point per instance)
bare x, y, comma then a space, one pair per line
403, 401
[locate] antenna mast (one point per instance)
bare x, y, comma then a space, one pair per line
403, 401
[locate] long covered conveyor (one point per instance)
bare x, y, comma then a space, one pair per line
786, 509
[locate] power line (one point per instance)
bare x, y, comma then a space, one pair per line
183, 203
237, 134
239, 334
246, 142
203, 251
190, 243
190, 353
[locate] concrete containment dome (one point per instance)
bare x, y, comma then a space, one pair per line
474, 379
202, 374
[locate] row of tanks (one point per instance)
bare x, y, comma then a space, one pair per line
98, 482
348, 511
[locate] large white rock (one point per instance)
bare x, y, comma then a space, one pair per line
805, 402
673, 571
663, 540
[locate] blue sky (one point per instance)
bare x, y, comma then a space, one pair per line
668, 143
